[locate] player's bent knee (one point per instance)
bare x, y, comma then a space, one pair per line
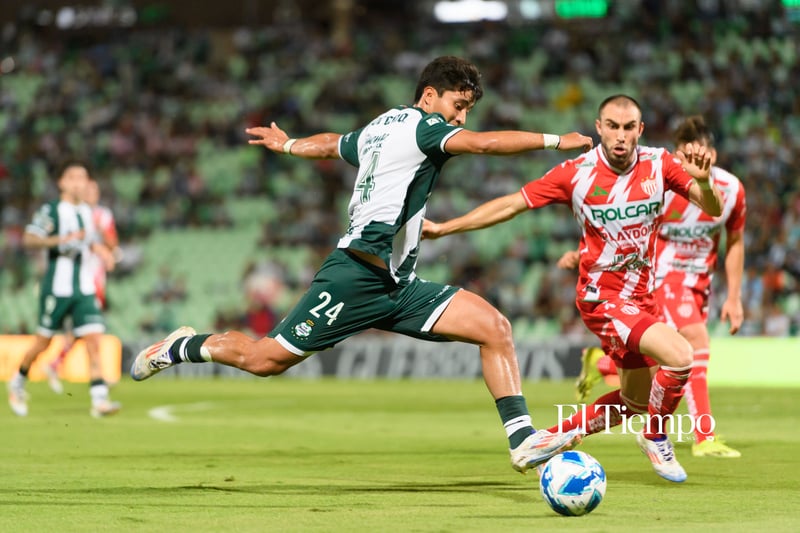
682, 354
498, 330
502, 325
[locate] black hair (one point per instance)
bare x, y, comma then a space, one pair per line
693, 129
450, 73
67, 164
619, 99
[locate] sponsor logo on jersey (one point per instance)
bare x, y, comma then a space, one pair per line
674, 215
633, 233
689, 232
631, 261
599, 191
632, 210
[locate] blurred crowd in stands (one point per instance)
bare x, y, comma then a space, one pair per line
159, 114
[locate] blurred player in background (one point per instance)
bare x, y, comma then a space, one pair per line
106, 228
65, 229
688, 247
368, 281
616, 192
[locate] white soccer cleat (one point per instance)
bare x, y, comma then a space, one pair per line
155, 357
539, 447
17, 398
52, 379
103, 408
662, 455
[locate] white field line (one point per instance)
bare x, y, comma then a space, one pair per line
167, 413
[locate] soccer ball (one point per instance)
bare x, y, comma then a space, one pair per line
573, 483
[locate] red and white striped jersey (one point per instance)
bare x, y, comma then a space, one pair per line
104, 222
106, 228
618, 213
688, 241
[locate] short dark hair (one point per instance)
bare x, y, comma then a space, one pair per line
450, 73
693, 129
619, 99
69, 163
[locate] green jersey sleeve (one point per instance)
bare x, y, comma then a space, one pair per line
348, 147
432, 134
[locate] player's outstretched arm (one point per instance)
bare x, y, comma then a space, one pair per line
319, 146
485, 215
513, 142
33, 241
696, 161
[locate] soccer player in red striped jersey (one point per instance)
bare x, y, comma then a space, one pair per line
617, 194
688, 248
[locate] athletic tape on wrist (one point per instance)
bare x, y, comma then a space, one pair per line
287, 146
551, 141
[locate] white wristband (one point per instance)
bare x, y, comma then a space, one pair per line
287, 146
551, 141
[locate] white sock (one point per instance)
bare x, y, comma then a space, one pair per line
99, 393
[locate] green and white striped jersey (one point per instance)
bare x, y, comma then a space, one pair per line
67, 272
399, 156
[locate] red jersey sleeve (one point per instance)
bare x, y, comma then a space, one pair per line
675, 178
555, 187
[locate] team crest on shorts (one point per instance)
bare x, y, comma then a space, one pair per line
630, 309
685, 310
303, 329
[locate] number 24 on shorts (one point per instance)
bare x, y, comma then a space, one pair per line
332, 312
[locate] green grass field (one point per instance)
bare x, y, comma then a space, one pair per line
295, 455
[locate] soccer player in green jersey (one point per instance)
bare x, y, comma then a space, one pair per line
65, 229
369, 280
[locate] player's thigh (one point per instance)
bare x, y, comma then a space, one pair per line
697, 335
346, 296
634, 383
470, 318
666, 346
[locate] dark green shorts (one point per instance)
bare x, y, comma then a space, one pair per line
83, 309
349, 295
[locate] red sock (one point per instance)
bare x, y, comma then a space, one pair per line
697, 400
602, 414
665, 394
606, 366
